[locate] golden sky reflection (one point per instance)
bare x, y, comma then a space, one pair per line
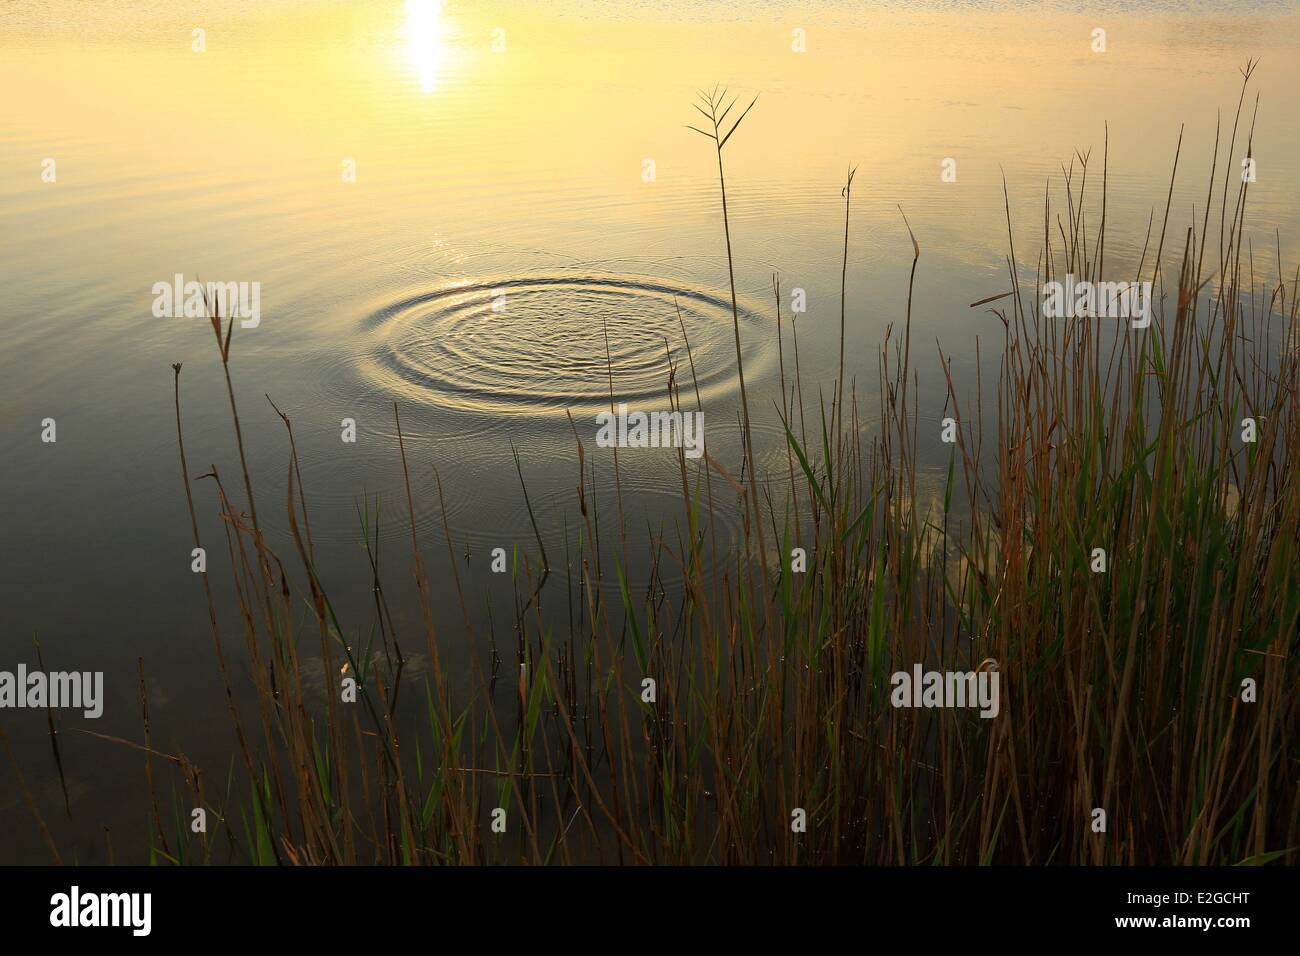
544, 142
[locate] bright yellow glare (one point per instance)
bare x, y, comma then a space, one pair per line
426, 39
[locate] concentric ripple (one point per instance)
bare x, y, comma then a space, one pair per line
546, 344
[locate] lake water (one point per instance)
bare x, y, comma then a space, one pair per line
527, 194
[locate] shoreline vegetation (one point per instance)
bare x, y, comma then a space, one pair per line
745, 716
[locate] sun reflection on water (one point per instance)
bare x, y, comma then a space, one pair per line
426, 35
